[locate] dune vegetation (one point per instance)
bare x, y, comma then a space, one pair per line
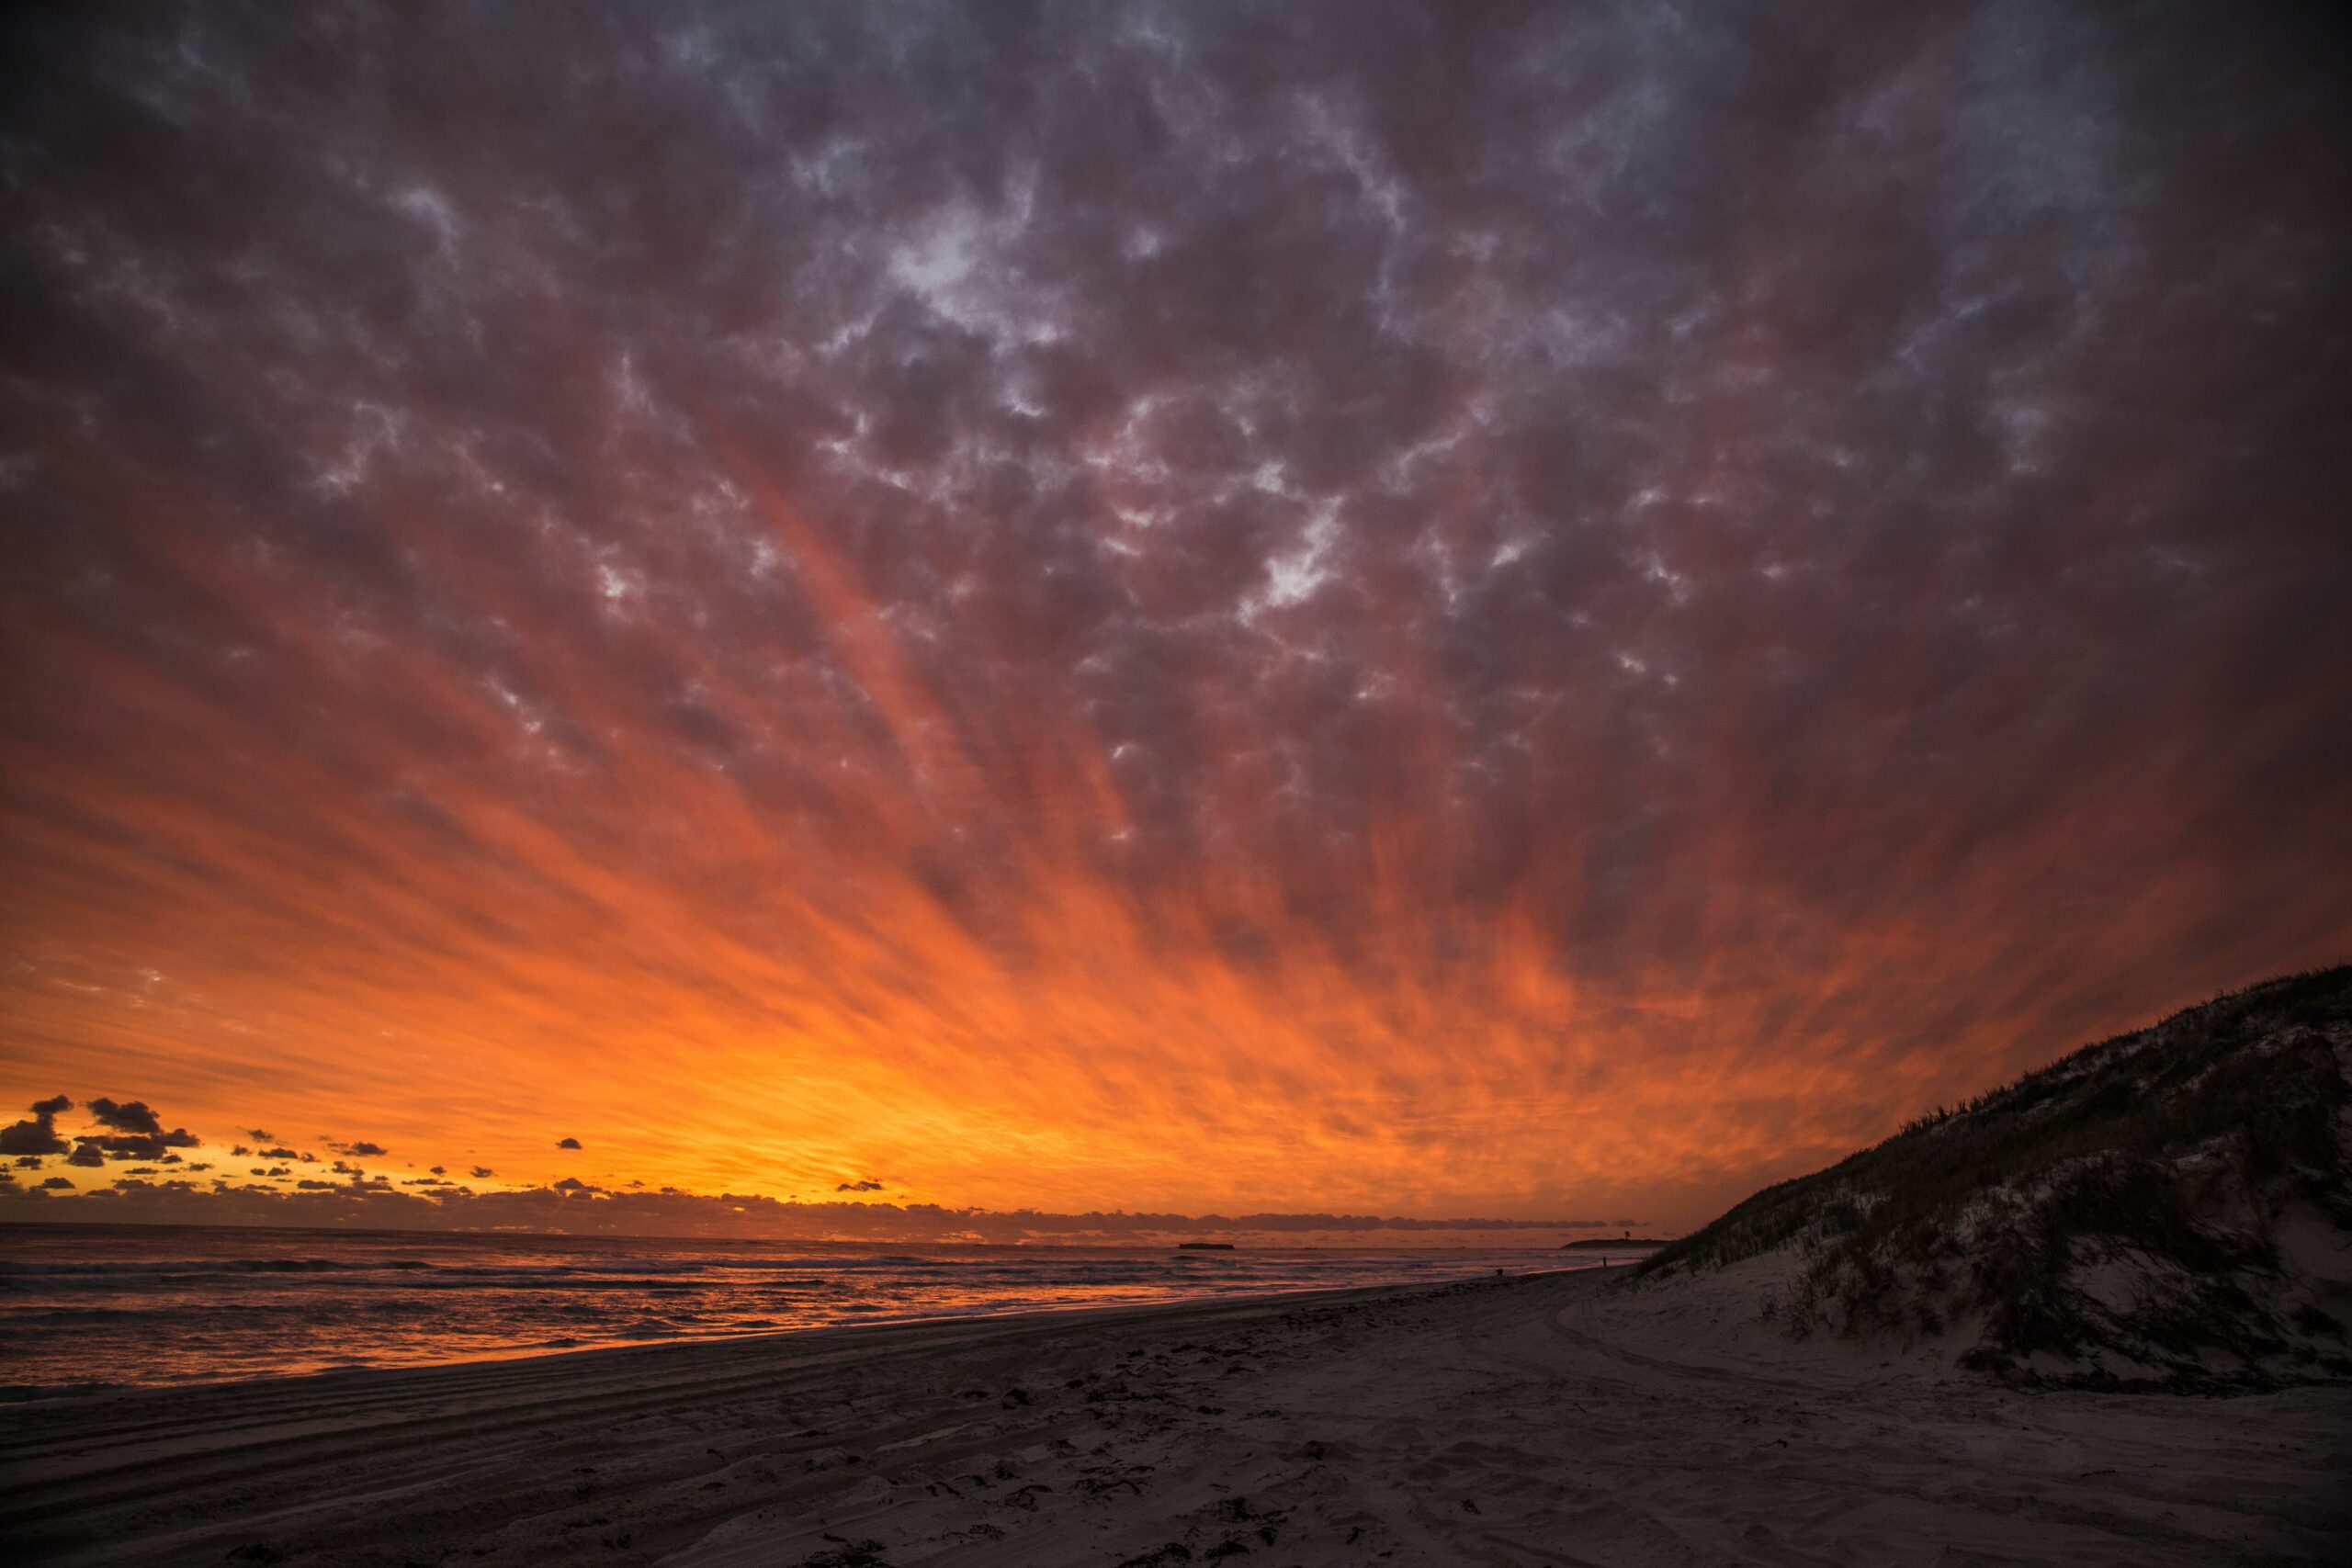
2170, 1208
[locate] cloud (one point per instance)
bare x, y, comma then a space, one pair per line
568, 1143
39, 1134
571, 1205
138, 1132
86, 1153
136, 1145
868, 1185
481, 1172
128, 1186
354, 1184
1498, 608
132, 1117
56, 1184
361, 1150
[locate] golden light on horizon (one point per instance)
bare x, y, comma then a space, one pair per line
1277, 655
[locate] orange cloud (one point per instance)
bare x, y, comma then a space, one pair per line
1279, 641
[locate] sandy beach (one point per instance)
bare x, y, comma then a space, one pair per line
1540, 1419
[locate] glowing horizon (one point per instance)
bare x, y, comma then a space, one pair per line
1166, 611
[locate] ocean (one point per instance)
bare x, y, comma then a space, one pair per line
85, 1306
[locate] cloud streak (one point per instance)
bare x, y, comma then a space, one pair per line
1522, 612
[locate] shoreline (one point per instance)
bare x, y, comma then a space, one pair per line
1553, 1417
855, 1325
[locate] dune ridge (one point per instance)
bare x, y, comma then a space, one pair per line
2171, 1208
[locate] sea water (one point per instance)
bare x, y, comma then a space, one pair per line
96, 1305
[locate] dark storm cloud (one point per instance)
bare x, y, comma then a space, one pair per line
1830, 526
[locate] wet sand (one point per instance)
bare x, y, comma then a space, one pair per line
1548, 1419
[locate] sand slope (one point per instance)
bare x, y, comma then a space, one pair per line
2169, 1209
1558, 1419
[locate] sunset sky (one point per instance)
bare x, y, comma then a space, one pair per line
1527, 612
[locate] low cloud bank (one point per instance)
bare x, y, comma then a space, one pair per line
575, 1207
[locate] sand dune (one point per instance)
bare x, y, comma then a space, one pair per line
1549, 1419
2169, 1209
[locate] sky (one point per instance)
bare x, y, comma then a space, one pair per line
1531, 613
